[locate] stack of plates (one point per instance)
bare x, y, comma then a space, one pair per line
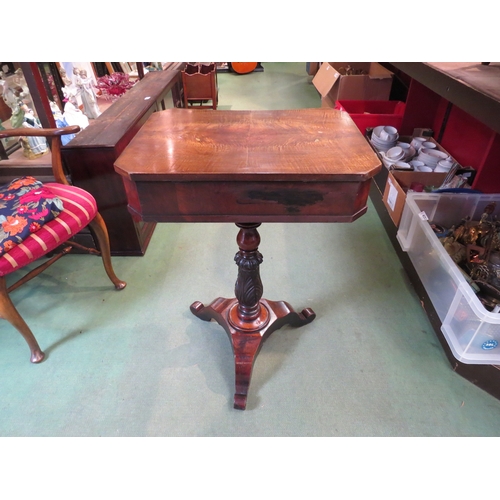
381, 144
444, 166
431, 157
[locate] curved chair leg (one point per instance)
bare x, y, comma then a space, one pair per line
100, 230
10, 313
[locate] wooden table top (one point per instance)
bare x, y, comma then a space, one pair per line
219, 145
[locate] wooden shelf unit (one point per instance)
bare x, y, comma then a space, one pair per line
461, 103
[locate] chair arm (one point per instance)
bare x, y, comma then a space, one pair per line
55, 134
45, 132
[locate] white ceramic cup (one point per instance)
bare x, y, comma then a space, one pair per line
425, 168
408, 149
416, 142
388, 133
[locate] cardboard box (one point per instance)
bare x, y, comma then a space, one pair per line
333, 84
398, 182
397, 185
408, 139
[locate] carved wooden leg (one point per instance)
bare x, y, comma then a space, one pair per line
98, 226
10, 313
248, 319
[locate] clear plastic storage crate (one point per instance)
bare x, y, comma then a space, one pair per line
472, 332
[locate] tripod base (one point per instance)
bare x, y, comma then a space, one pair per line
247, 337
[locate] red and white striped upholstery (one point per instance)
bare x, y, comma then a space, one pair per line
79, 209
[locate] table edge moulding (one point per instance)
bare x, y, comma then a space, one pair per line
248, 167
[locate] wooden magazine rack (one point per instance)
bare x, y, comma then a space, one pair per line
200, 85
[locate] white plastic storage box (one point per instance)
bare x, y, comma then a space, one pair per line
472, 332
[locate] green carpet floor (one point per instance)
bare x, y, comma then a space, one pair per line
137, 363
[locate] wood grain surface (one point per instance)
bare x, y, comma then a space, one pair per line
303, 144
307, 165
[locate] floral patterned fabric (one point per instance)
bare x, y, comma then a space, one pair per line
80, 208
25, 206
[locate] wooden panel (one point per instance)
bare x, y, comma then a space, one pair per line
488, 177
466, 138
91, 169
90, 156
109, 129
248, 201
420, 109
476, 99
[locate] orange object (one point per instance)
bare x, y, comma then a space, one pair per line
243, 67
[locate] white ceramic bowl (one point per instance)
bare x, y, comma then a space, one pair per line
383, 144
409, 150
395, 154
425, 168
381, 148
427, 161
380, 142
431, 156
388, 133
428, 145
406, 146
435, 153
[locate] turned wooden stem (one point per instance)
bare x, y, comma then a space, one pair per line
248, 289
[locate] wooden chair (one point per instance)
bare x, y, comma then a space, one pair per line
53, 237
200, 85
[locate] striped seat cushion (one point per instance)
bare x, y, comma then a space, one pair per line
79, 209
